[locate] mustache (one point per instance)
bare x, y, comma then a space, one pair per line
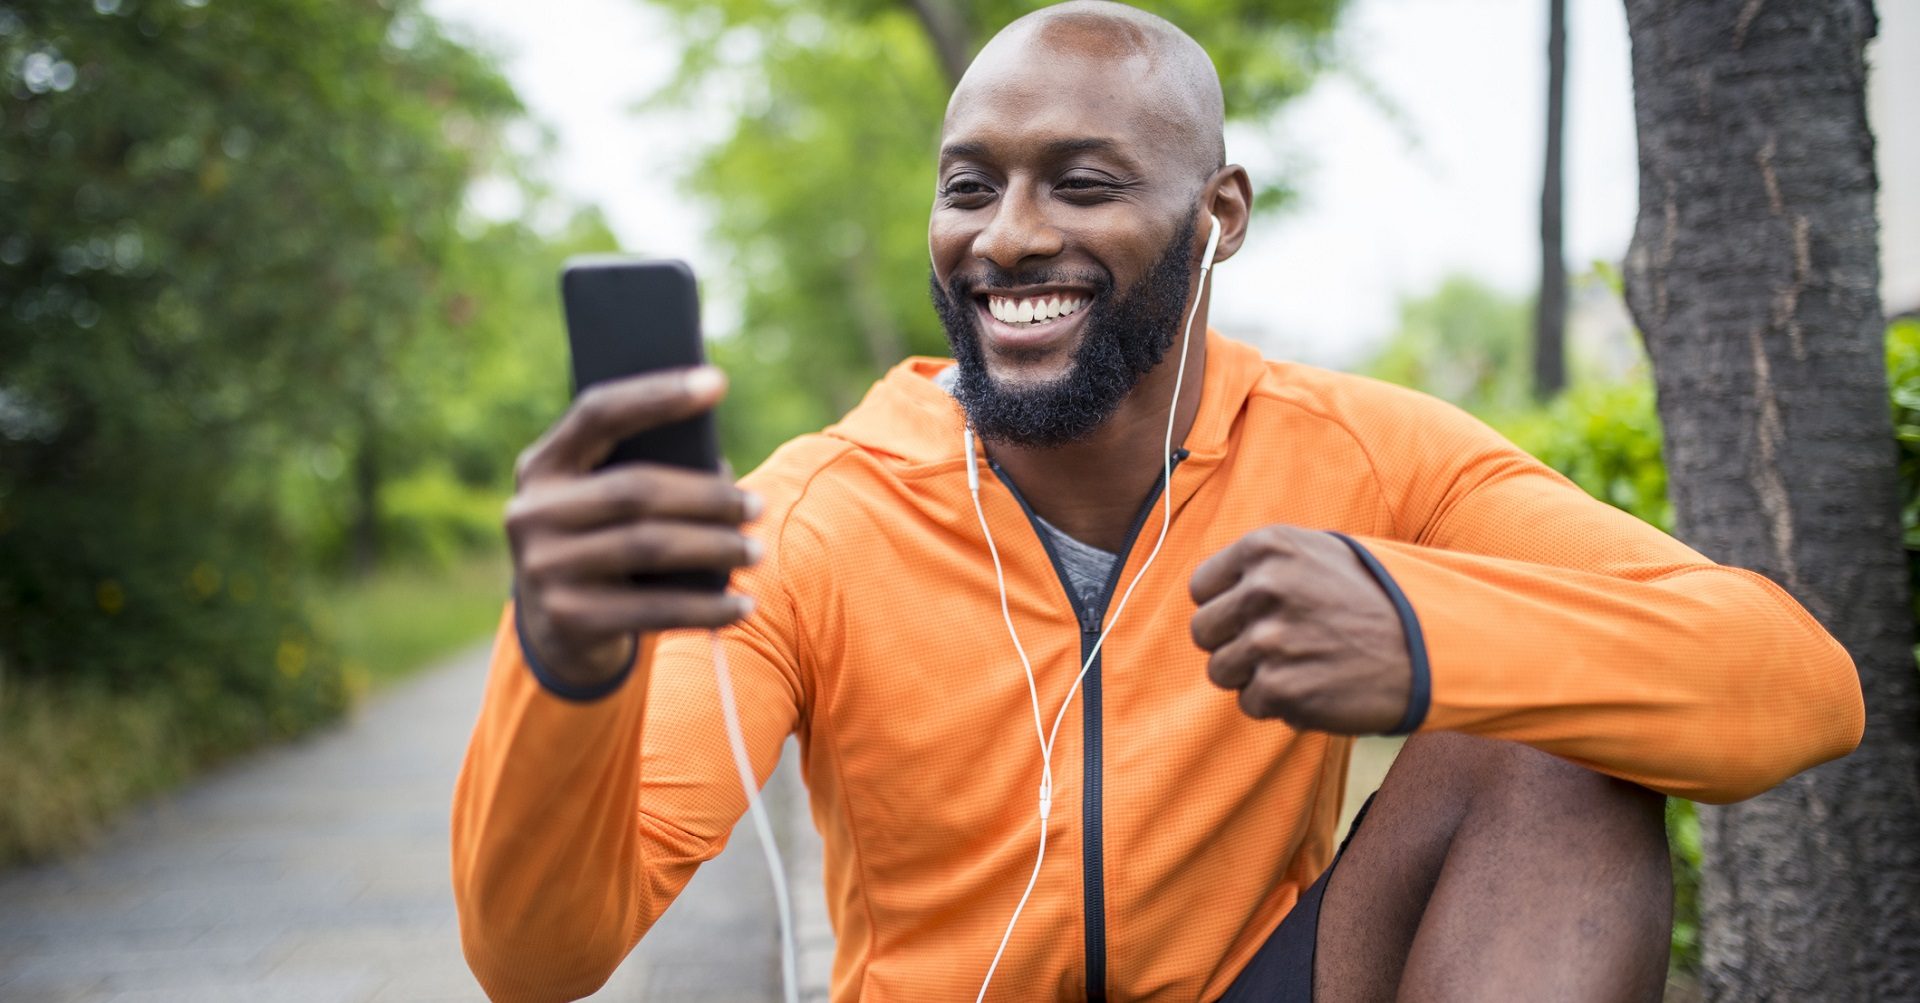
990, 276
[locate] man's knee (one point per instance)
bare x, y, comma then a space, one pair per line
1558, 877
1542, 817
1523, 784
1516, 874
1485, 776
1565, 830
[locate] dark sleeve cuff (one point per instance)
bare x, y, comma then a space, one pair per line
1420, 693
557, 686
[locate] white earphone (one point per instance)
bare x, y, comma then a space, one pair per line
1033, 692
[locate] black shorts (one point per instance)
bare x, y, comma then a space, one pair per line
1282, 970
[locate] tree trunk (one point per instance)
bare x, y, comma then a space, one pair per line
946, 25
1754, 273
364, 529
885, 343
1550, 312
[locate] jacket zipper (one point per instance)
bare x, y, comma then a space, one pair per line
1090, 617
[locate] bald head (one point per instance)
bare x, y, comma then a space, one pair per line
1166, 77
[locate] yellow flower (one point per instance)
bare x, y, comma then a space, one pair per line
357, 678
291, 659
111, 597
204, 580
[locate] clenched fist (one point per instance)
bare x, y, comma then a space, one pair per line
1296, 623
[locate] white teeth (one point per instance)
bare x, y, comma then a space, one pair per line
1033, 310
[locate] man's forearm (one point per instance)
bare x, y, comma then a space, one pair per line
547, 866
1699, 681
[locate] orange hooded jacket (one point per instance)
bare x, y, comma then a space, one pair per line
1182, 831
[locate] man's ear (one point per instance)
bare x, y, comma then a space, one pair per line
1229, 196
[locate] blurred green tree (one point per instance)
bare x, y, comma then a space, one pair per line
821, 186
232, 251
1466, 342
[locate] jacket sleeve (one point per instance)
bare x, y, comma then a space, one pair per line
1556, 620
577, 821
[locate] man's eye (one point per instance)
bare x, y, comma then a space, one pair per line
962, 188
1081, 186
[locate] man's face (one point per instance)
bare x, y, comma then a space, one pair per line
1061, 240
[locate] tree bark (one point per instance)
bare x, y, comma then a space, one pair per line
1550, 312
947, 29
1754, 274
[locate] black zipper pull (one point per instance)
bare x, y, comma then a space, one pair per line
1089, 625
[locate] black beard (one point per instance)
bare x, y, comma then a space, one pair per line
1126, 337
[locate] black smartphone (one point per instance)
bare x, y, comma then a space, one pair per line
627, 316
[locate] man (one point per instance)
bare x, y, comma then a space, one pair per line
1340, 557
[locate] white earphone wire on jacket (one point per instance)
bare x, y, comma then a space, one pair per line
736, 740
1166, 495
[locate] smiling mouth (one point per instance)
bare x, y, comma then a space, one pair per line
1033, 311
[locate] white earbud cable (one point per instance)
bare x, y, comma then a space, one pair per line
789, 973
1166, 496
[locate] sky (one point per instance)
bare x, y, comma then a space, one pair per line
1438, 174
1418, 160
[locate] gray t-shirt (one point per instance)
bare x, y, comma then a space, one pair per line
1087, 566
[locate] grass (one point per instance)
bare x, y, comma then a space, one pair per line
394, 623
72, 756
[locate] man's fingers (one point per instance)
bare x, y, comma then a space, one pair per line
606, 611
1218, 573
630, 493
655, 545
616, 409
1256, 702
1269, 544
1236, 662
1222, 619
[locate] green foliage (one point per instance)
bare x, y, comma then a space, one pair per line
1464, 342
821, 186
1903, 376
1683, 844
1604, 437
248, 331
401, 618
219, 226
482, 379
71, 754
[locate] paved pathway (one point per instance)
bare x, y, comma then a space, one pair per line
318, 871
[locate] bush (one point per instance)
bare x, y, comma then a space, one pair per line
227, 233
1903, 375
1604, 437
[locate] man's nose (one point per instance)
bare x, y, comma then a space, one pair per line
1019, 230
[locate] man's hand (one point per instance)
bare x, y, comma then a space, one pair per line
577, 533
1299, 627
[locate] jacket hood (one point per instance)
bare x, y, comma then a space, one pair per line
908, 415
